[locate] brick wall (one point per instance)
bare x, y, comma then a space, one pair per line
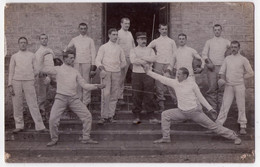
197, 19
60, 22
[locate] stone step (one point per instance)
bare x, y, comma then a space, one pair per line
128, 148
120, 135
126, 125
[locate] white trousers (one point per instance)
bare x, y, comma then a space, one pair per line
26, 87
84, 69
230, 92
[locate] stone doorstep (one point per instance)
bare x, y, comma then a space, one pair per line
122, 135
126, 148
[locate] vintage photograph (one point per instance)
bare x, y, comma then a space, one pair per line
145, 82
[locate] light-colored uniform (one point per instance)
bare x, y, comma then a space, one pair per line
235, 68
165, 47
68, 79
111, 56
85, 57
214, 50
188, 94
183, 57
126, 42
42, 86
22, 70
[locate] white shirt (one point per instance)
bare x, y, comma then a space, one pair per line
187, 92
215, 49
46, 60
68, 79
22, 67
85, 49
165, 47
141, 53
183, 57
126, 41
111, 56
236, 68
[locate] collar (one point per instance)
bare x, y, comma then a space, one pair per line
83, 36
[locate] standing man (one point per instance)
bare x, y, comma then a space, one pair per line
110, 61
142, 84
164, 47
85, 59
183, 57
43, 80
126, 41
68, 79
188, 94
214, 55
22, 73
235, 69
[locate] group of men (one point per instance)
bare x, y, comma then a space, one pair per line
113, 59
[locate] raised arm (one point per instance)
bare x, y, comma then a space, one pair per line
164, 80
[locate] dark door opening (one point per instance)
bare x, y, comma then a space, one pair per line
143, 16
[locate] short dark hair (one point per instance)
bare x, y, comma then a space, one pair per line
42, 35
23, 38
66, 54
182, 34
185, 71
217, 25
83, 24
162, 24
235, 42
124, 18
111, 30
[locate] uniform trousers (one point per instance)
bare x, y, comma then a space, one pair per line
161, 88
26, 87
109, 95
230, 92
84, 70
214, 94
197, 116
73, 102
143, 88
41, 91
123, 77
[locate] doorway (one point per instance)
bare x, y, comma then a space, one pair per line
143, 16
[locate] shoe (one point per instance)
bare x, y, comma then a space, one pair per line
51, 143
43, 130
101, 121
154, 121
243, 131
162, 140
17, 130
111, 120
136, 120
237, 141
89, 141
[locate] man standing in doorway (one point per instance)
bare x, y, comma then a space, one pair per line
110, 61
22, 73
43, 80
214, 55
85, 59
164, 47
126, 41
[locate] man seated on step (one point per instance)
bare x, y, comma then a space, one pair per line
142, 84
67, 79
187, 93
